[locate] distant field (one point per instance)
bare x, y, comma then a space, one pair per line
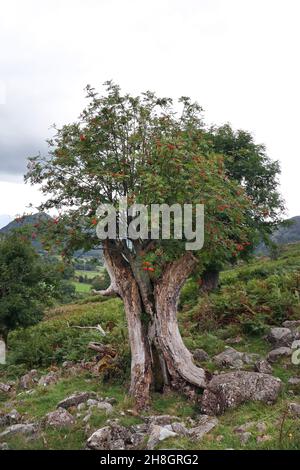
81, 287
88, 274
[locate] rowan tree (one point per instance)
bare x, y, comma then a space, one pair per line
152, 152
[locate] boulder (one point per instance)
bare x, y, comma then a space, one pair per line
59, 418
261, 427
278, 353
99, 440
48, 379
5, 388
230, 358
244, 437
158, 434
204, 426
29, 380
75, 399
200, 355
234, 388
13, 417
294, 409
4, 446
251, 358
263, 367
25, 429
293, 325
244, 427
294, 381
161, 420
280, 336
107, 407
112, 437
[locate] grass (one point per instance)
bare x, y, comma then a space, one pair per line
82, 287
268, 287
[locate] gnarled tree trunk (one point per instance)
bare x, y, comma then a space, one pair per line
178, 358
156, 340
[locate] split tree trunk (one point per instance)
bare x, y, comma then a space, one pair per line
158, 337
124, 284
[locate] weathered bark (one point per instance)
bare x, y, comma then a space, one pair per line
156, 344
127, 288
180, 365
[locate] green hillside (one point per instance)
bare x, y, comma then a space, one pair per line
251, 298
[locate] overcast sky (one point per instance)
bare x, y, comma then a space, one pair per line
238, 59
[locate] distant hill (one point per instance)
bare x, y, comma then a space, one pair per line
35, 218
288, 234
23, 221
4, 220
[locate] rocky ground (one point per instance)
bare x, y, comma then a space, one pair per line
252, 401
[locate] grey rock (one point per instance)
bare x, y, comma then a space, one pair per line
180, 428
250, 358
5, 388
13, 417
261, 427
278, 353
26, 429
75, 399
263, 367
59, 418
81, 406
234, 388
92, 402
99, 439
4, 446
29, 380
292, 324
294, 381
110, 400
161, 420
244, 427
205, 425
118, 444
229, 358
157, 434
48, 379
200, 355
87, 418
107, 407
67, 364
107, 437
279, 336
294, 409
244, 437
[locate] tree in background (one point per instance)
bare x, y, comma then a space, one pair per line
248, 164
140, 147
27, 283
